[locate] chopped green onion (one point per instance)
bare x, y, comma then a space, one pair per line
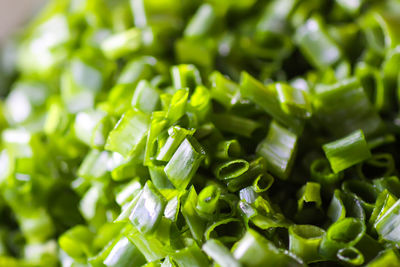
266, 98
184, 163
304, 241
309, 193
146, 98
278, 149
132, 129
386, 257
194, 221
176, 137
185, 76
344, 233
351, 256
252, 244
345, 103
123, 43
235, 124
76, 242
316, 44
201, 23
148, 209
231, 169
228, 149
387, 225
208, 200
124, 253
224, 91
348, 151
294, 101
218, 252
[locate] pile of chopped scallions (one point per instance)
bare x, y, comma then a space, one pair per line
195, 133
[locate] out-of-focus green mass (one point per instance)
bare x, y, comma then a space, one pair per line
165, 133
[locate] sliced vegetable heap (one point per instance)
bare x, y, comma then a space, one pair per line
202, 133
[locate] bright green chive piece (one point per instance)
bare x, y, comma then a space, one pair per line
184, 163
198, 51
255, 250
391, 183
137, 69
294, 101
124, 254
346, 152
351, 256
190, 256
257, 168
362, 191
218, 230
159, 178
343, 107
388, 224
220, 254
195, 223
316, 44
158, 125
235, 124
344, 233
76, 242
336, 210
309, 193
185, 76
201, 23
177, 107
148, 210
80, 83
200, 103
321, 172
128, 192
279, 150
172, 208
228, 149
344, 205
146, 98
207, 201
176, 137
263, 182
149, 245
304, 241
92, 127
266, 98
387, 257
383, 203
231, 169
129, 133
95, 164
122, 44
224, 90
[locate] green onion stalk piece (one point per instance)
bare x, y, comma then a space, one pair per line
346, 152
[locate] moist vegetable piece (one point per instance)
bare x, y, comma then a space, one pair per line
201, 133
